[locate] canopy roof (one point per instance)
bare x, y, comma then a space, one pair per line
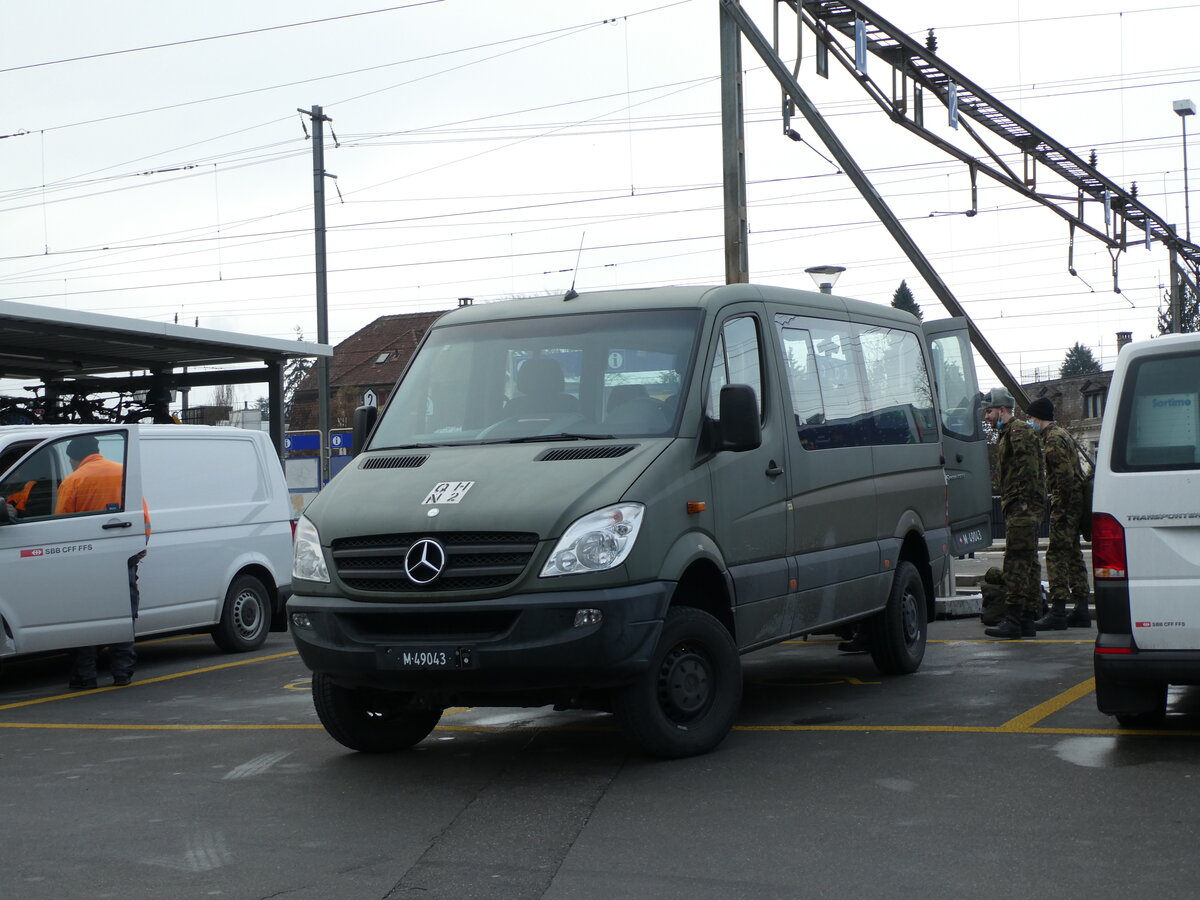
49, 344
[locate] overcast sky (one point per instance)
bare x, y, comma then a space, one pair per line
154, 163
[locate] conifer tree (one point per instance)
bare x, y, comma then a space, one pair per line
903, 299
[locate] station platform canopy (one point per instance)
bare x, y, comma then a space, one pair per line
73, 352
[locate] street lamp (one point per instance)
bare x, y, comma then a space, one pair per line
1183, 109
825, 276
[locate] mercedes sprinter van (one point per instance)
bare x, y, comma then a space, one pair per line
602, 500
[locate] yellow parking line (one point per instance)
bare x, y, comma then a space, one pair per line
1029, 718
160, 678
1028, 642
88, 726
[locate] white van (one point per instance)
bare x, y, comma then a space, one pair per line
1146, 530
219, 557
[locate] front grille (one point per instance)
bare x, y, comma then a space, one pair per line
475, 560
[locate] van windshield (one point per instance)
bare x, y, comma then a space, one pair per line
569, 377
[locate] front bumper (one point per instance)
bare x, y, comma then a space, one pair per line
520, 645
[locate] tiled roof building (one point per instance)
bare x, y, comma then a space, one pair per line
370, 359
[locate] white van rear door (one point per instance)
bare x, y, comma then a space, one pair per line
1148, 478
65, 577
964, 447
1162, 546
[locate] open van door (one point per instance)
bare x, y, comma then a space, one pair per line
964, 446
65, 577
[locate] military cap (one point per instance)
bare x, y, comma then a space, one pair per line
997, 397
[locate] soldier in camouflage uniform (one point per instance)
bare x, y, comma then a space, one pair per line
1022, 476
1064, 559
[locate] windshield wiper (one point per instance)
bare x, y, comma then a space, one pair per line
411, 446
561, 436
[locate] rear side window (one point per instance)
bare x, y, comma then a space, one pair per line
856, 385
1158, 422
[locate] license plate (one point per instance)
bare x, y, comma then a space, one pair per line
418, 658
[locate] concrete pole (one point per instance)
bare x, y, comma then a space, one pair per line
318, 138
733, 147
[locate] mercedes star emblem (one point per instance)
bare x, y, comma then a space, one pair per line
424, 561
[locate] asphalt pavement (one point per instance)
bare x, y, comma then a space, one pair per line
989, 773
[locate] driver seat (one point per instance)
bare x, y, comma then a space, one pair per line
540, 382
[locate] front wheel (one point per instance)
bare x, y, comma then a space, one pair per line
245, 617
686, 701
367, 720
899, 630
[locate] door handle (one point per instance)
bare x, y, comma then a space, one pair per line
773, 470
117, 525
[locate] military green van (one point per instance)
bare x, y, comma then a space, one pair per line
601, 501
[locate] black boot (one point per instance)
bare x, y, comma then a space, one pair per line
1009, 628
1028, 623
856, 644
1080, 616
1055, 618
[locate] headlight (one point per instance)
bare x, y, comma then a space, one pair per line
598, 541
308, 562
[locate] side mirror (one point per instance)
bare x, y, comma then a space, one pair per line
740, 428
364, 423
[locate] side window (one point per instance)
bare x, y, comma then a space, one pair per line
838, 357
804, 384
52, 483
738, 360
952, 358
899, 394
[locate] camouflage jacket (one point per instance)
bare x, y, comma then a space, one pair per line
1064, 475
1022, 469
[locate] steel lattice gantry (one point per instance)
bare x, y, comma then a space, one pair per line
848, 31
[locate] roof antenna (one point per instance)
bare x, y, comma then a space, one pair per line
571, 293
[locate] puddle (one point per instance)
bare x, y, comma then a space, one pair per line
1090, 752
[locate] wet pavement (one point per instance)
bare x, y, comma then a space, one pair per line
988, 772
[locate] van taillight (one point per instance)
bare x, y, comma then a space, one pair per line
293, 530
1108, 547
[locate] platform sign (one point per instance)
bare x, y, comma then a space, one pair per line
341, 440
301, 442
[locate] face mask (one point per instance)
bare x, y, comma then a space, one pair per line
1036, 426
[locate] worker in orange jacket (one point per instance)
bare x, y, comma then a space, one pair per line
95, 483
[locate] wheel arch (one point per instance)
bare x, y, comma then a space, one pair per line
914, 550
705, 587
260, 571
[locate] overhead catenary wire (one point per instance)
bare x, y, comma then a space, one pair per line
503, 132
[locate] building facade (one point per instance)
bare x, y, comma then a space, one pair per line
371, 359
